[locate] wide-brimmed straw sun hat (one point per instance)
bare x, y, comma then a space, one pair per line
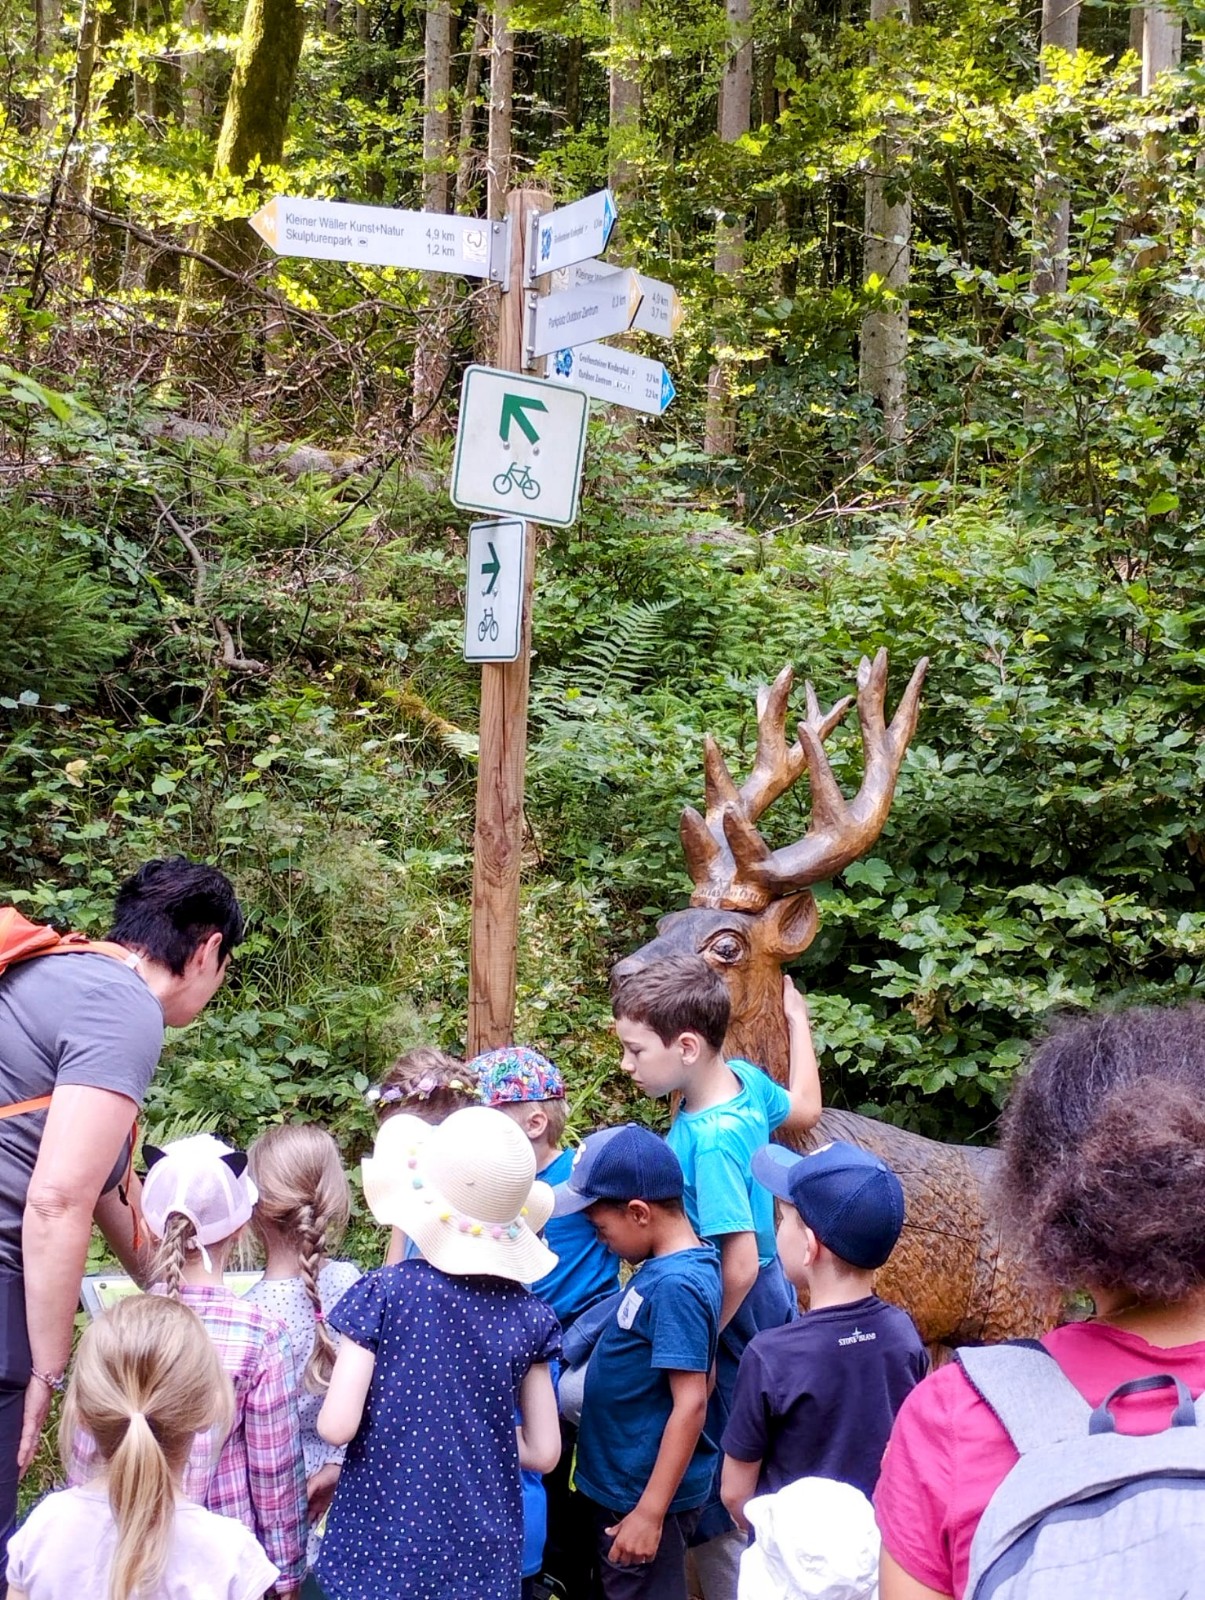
465, 1191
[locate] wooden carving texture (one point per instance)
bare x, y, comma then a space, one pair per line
954, 1269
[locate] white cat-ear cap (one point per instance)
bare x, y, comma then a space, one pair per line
202, 1179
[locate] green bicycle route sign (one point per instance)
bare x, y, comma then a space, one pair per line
520, 443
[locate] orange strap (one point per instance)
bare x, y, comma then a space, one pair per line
38, 1104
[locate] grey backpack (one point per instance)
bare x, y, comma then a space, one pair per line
1087, 1513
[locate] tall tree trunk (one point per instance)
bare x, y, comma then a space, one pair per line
573, 83
1051, 201
887, 258
500, 158
736, 90
1162, 33
252, 135
624, 95
431, 354
74, 230
194, 84
333, 17
467, 165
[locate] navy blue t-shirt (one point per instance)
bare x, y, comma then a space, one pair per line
586, 1271
816, 1398
666, 1321
429, 1501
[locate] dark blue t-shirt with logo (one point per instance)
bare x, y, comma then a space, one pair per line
666, 1320
816, 1398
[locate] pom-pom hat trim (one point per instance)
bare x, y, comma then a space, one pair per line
465, 1191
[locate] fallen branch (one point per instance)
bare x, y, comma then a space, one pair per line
232, 657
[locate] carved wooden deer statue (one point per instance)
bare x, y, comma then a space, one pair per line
752, 909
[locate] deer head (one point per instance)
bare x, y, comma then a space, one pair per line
752, 908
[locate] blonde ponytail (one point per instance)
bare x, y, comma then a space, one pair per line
146, 1380
305, 1200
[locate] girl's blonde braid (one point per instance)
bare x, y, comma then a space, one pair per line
167, 1264
311, 1253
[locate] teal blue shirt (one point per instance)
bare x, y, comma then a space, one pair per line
715, 1148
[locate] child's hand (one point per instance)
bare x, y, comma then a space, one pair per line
635, 1540
320, 1490
794, 1004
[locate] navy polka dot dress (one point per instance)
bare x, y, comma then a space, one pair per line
429, 1504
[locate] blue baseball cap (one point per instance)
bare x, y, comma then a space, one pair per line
849, 1198
628, 1163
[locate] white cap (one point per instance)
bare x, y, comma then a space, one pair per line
816, 1540
194, 1178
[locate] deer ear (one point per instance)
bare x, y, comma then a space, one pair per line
791, 924
236, 1160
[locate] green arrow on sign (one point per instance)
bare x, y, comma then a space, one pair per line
493, 566
513, 407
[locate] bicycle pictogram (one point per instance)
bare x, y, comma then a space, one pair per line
488, 625
517, 477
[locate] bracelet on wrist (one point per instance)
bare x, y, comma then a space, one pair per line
55, 1385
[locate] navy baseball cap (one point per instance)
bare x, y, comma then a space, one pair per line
849, 1198
628, 1163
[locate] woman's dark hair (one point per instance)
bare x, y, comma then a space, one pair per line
170, 907
1104, 1153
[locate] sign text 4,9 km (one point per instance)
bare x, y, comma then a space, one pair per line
519, 447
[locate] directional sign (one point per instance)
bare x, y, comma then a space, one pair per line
519, 447
661, 309
616, 376
574, 233
592, 312
493, 591
423, 241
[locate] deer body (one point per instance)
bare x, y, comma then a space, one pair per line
751, 910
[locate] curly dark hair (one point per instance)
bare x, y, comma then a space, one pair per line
1104, 1153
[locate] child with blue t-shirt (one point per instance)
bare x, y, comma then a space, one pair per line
642, 1457
434, 1353
529, 1088
671, 1017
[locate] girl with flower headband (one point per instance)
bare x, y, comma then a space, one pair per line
146, 1383
303, 1206
425, 1083
433, 1354
196, 1201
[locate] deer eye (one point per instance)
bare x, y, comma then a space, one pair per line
726, 948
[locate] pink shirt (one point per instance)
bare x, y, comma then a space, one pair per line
947, 1453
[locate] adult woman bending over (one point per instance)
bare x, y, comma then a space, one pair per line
1104, 1173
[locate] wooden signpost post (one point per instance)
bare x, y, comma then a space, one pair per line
519, 457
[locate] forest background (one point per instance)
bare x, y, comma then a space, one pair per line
941, 388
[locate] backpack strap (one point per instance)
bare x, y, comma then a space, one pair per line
1031, 1397
20, 1107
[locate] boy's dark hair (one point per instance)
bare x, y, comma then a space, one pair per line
674, 1208
677, 995
1104, 1152
170, 907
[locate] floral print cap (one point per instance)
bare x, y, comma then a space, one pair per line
515, 1074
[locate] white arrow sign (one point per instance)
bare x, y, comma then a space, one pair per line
519, 447
574, 233
616, 376
421, 241
594, 311
661, 309
493, 591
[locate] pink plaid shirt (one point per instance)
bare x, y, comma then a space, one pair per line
259, 1477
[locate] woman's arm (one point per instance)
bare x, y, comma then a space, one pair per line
85, 1130
342, 1410
539, 1430
896, 1584
115, 1219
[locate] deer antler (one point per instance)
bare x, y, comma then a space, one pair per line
730, 864
776, 766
